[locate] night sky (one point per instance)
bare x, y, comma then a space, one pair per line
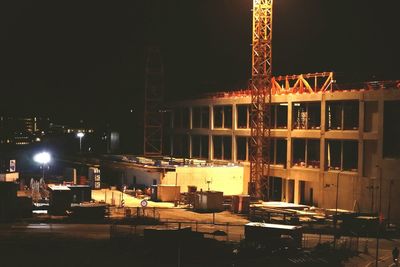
75, 60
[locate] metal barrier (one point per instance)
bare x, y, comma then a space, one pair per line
220, 231
344, 242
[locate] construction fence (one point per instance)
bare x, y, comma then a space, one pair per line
234, 233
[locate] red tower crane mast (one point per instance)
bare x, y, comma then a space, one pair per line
154, 95
260, 98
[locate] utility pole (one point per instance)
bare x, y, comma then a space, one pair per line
379, 215
391, 184
336, 213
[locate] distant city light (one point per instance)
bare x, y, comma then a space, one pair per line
42, 158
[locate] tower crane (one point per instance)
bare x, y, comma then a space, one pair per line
261, 99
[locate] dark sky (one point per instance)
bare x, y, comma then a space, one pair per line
86, 59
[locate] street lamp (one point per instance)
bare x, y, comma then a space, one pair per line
379, 214
80, 135
43, 158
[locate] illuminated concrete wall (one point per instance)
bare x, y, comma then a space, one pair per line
142, 176
229, 180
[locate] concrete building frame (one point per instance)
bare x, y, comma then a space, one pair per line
361, 171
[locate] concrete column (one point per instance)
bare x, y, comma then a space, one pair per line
211, 116
361, 116
234, 152
190, 117
234, 117
289, 138
234, 127
319, 198
190, 146
247, 148
296, 191
210, 147
322, 162
284, 190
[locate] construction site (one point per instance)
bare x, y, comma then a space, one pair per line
299, 158
302, 139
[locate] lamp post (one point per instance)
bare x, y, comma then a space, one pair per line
43, 158
336, 208
379, 215
80, 135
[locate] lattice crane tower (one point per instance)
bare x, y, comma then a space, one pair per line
260, 98
154, 96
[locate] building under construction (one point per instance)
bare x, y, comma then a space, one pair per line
302, 138
330, 146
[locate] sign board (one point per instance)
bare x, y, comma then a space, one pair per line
143, 203
12, 165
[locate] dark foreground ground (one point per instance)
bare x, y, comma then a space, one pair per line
52, 250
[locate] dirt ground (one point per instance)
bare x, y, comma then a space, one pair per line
166, 210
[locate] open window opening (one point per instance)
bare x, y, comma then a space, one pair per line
299, 152
306, 115
177, 118
350, 115
166, 149
271, 151
350, 156
299, 115
342, 115
222, 147
223, 117
275, 188
391, 130
242, 116
272, 116
205, 118
314, 116
181, 118
333, 150
334, 115
313, 157
241, 148
195, 146
227, 147
196, 117
342, 155
281, 116
200, 146
306, 153
281, 152
181, 146
200, 117
185, 118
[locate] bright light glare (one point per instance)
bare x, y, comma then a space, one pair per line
80, 134
42, 158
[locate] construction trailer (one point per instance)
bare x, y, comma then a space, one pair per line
60, 198
274, 235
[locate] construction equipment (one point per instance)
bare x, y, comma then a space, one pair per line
261, 75
154, 95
